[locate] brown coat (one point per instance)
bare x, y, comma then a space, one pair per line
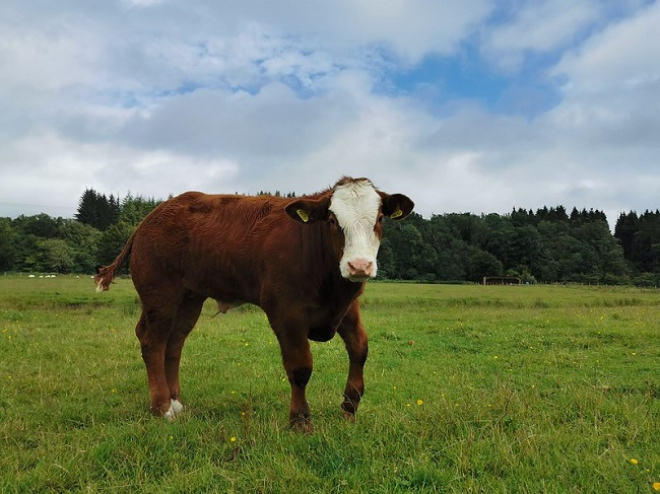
236, 250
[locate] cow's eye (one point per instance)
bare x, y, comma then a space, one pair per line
332, 220
381, 218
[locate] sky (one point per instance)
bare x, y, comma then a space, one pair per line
463, 105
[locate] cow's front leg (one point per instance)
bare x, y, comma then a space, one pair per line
297, 359
355, 337
291, 331
291, 328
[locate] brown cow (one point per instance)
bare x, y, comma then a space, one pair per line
303, 261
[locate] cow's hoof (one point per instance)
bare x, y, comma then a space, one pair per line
303, 427
349, 408
175, 409
301, 423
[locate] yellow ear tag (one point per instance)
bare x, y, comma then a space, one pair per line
396, 213
303, 215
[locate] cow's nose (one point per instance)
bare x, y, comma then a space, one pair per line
360, 268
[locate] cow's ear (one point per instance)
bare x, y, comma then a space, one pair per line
308, 210
396, 206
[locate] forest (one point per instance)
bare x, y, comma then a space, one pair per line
549, 245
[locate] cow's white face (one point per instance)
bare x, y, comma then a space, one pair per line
357, 209
353, 211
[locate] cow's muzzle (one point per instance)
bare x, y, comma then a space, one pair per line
360, 270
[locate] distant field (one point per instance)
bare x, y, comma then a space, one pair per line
468, 389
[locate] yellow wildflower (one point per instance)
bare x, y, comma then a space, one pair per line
420, 403
656, 486
232, 439
633, 461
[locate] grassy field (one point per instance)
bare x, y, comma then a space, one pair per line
469, 389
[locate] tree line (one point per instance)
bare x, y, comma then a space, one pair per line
95, 236
547, 245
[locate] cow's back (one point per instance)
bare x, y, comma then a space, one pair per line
220, 246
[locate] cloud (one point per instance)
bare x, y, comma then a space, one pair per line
624, 57
612, 94
160, 97
409, 28
539, 27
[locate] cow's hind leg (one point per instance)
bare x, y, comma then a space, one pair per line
153, 330
355, 338
186, 316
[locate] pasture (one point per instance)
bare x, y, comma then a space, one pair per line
468, 389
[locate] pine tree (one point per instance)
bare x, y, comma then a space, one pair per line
134, 209
97, 210
575, 216
88, 208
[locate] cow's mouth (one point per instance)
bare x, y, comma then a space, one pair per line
359, 279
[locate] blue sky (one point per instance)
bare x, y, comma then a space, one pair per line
438, 80
466, 106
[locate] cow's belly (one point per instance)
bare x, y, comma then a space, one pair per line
228, 290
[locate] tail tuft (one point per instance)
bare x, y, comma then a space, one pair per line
104, 277
105, 274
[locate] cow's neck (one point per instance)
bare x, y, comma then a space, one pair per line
322, 263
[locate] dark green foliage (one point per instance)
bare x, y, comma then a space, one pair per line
112, 241
626, 227
134, 209
97, 210
83, 241
547, 245
57, 245
8, 245
44, 244
640, 239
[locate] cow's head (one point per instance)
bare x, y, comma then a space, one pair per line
353, 211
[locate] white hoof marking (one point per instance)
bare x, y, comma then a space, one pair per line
176, 406
175, 409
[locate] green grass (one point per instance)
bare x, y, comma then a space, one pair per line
469, 389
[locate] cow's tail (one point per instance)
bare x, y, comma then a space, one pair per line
105, 274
